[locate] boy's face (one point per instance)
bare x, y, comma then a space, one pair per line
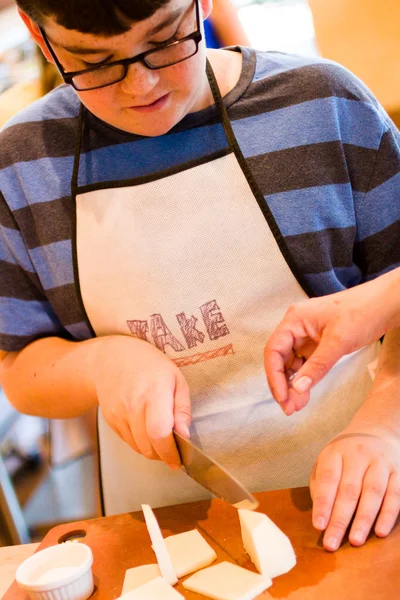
147, 102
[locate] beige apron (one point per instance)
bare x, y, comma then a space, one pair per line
193, 262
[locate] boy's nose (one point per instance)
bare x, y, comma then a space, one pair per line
139, 80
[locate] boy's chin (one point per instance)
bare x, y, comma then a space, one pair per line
153, 129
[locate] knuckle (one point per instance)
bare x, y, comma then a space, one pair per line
375, 489
366, 519
322, 501
327, 475
350, 491
159, 433
391, 513
318, 365
185, 411
338, 523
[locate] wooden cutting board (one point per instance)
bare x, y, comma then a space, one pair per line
371, 572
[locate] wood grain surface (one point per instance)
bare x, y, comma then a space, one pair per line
371, 572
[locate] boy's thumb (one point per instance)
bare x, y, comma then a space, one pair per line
321, 361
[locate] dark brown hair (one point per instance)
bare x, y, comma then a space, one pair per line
98, 17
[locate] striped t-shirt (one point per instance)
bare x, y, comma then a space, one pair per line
325, 156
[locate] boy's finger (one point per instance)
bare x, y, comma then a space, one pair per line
276, 375
390, 507
137, 426
124, 432
346, 500
373, 491
276, 352
324, 357
159, 421
324, 485
182, 408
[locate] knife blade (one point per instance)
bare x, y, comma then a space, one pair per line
212, 476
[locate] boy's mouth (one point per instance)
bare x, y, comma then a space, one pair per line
153, 106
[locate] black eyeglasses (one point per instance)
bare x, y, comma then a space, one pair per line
95, 77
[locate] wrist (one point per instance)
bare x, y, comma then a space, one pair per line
390, 283
366, 427
105, 355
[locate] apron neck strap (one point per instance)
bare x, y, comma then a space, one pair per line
219, 103
77, 153
220, 106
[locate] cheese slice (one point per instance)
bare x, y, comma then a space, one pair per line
138, 576
189, 552
268, 547
157, 589
226, 581
159, 547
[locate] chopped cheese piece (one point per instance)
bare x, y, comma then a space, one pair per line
226, 581
189, 552
157, 589
138, 576
268, 547
159, 547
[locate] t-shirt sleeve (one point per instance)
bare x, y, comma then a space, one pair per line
377, 247
25, 313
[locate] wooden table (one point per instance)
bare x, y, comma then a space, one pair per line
120, 542
10, 558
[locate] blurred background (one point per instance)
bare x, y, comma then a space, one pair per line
48, 470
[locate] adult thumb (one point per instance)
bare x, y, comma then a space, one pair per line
321, 361
182, 408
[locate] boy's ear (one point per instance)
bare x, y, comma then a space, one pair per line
206, 7
35, 33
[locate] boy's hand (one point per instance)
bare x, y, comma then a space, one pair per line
357, 474
322, 330
143, 396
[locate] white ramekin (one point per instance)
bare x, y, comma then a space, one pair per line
62, 572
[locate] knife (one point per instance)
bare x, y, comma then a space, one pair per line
212, 476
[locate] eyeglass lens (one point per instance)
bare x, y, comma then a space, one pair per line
163, 57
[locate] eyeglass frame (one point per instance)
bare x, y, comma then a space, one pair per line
68, 76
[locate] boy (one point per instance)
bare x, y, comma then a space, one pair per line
153, 237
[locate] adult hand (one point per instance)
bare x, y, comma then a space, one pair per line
143, 396
357, 473
322, 330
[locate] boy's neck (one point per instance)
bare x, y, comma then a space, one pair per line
227, 67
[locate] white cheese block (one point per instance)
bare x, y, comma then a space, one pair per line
226, 581
159, 547
268, 547
156, 589
189, 552
138, 576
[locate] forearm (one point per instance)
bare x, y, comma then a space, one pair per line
52, 377
227, 24
382, 406
389, 290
